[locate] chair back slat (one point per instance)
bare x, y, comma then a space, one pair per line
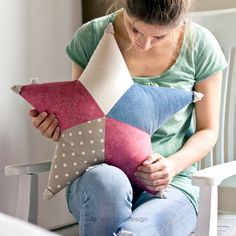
219, 151
207, 161
231, 110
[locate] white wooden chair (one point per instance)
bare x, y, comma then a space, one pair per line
221, 162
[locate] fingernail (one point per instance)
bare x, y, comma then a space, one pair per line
44, 114
55, 121
146, 162
52, 116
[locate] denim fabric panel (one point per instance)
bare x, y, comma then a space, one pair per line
147, 107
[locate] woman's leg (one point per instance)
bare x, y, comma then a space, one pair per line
100, 200
152, 216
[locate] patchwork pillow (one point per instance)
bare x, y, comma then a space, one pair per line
104, 116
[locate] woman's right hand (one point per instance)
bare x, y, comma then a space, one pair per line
47, 124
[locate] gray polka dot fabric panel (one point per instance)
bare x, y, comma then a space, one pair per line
78, 148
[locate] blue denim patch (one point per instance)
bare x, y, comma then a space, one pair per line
148, 107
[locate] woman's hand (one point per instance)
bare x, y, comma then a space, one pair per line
156, 173
46, 124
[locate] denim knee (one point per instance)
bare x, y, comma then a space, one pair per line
101, 184
102, 194
107, 180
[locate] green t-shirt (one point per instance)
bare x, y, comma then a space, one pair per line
200, 57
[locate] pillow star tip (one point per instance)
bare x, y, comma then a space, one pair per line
16, 88
197, 96
47, 194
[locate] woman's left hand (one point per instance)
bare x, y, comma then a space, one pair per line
156, 173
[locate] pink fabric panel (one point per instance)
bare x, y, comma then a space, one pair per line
126, 147
69, 101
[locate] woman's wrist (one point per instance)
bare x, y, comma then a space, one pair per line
176, 163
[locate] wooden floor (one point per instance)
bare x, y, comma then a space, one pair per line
226, 227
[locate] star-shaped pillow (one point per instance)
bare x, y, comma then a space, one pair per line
104, 116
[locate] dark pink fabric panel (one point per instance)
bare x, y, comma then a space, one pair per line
69, 101
126, 147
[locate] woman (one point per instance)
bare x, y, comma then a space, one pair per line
160, 48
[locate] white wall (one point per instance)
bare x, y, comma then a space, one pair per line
201, 5
34, 34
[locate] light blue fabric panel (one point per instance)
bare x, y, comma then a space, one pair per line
148, 107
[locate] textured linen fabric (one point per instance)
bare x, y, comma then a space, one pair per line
200, 56
90, 115
89, 136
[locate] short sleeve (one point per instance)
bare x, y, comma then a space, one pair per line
210, 58
80, 49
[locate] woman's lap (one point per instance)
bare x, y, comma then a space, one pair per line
101, 200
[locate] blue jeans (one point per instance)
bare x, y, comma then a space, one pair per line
105, 203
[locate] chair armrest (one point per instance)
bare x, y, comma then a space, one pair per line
213, 176
14, 226
27, 203
28, 168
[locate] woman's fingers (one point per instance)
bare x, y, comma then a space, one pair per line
149, 183
56, 134
33, 113
154, 166
46, 124
157, 175
38, 120
157, 188
48, 127
152, 176
152, 158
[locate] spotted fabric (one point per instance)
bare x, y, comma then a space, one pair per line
80, 147
104, 117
